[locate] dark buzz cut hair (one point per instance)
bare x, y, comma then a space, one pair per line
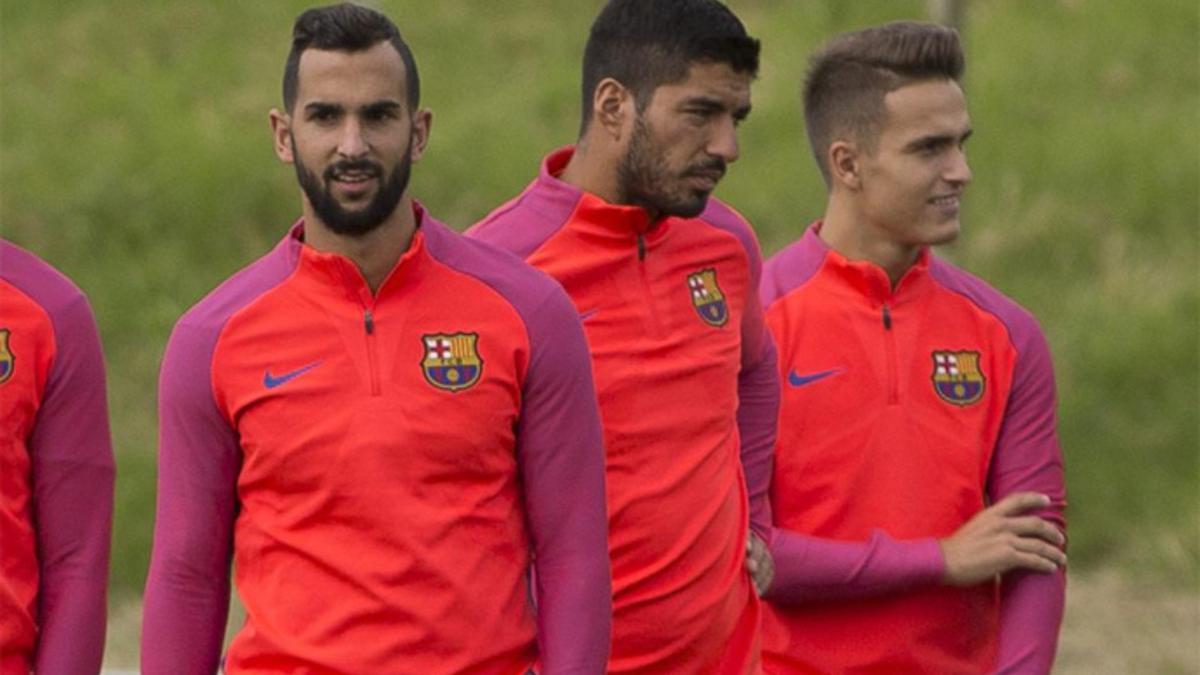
345, 27
848, 79
644, 44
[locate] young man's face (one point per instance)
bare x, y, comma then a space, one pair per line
683, 141
351, 135
912, 184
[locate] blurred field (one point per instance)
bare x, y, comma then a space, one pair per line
134, 155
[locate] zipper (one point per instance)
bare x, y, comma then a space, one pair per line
647, 290
890, 341
372, 361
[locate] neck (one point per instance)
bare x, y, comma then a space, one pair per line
374, 253
845, 230
592, 169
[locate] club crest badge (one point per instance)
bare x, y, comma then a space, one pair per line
707, 297
957, 378
8, 362
452, 360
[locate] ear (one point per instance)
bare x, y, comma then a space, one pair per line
281, 132
845, 164
421, 126
613, 108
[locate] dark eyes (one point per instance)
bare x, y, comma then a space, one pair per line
331, 115
701, 116
323, 115
380, 115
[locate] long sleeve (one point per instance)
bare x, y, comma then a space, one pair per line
187, 592
73, 473
561, 455
811, 568
1028, 458
758, 405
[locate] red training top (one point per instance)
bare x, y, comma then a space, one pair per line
56, 473
905, 411
685, 376
383, 470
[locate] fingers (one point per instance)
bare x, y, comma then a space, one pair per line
759, 564
1019, 502
1033, 526
1041, 550
1036, 563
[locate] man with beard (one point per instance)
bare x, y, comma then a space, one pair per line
666, 280
382, 423
56, 473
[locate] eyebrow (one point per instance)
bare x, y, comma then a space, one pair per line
371, 108
382, 107
938, 139
714, 105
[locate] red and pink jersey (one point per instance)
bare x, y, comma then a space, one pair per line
56, 473
383, 469
904, 412
685, 376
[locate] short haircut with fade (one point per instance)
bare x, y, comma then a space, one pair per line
644, 44
345, 27
848, 80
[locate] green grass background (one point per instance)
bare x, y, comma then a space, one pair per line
135, 156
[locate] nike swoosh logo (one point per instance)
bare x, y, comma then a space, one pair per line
584, 316
270, 382
797, 380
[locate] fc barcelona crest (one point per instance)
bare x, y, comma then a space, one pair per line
451, 360
707, 297
957, 378
8, 362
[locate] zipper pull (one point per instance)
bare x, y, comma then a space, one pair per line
887, 318
641, 243
369, 322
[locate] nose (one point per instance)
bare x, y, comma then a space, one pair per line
958, 170
352, 143
724, 142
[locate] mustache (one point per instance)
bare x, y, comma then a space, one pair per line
353, 166
714, 168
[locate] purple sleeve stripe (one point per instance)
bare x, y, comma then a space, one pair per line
1027, 457
791, 268
721, 216
72, 467
199, 456
529, 220
46, 286
1019, 323
811, 569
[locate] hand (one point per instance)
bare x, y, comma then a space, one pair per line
759, 563
999, 539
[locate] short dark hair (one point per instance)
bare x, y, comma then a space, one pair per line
848, 79
350, 28
644, 44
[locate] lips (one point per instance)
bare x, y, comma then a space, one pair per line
951, 201
708, 178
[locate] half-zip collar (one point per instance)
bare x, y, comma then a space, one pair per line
333, 272
870, 281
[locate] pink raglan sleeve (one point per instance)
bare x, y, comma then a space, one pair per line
187, 592
1028, 458
72, 466
810, 568
758, 376
561, 457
